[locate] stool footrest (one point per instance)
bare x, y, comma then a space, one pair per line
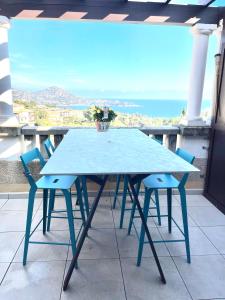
165, 241
50, 243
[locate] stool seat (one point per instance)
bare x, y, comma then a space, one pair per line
56, 182
161, 181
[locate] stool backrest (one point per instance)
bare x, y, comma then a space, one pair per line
27, 158
189, 158
49, 147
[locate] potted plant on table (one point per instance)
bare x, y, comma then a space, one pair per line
102, 117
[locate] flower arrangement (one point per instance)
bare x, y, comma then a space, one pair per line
102, 116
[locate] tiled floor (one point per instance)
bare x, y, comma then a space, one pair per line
107, 264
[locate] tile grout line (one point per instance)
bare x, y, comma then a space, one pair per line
175, 265
181, 277
6, 200
10, 263
121, 268
210, 240
64, 272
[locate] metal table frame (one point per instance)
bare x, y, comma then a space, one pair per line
101, 182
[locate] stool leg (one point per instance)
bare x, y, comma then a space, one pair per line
185, 221
169, 207
131, 217
142, 235
118, 177
70, 219
157, 206
85, 193
80, 199
45, 205
125, 187
50, 208
31, 198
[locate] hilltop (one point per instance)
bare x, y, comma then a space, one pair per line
60, 97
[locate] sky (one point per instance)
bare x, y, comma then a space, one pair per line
105, 60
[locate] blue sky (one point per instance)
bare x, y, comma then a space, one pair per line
105, 60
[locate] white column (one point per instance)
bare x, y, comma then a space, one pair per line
7, 117
201, 34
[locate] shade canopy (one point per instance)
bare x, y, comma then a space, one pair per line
185, 12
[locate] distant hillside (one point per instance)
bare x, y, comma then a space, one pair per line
52, 95
60, 97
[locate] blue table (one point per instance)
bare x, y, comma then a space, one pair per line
130, 152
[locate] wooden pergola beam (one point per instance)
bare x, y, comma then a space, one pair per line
111, 10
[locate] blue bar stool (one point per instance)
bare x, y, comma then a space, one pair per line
124, 195
46, 183
50, 149
169, 182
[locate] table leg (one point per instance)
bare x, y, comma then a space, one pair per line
84, 233
135, 196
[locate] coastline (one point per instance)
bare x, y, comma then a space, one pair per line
151, 108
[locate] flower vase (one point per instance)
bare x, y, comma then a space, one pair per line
102, 126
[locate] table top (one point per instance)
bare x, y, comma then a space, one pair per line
116, 151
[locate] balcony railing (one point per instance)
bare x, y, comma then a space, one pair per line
194, 139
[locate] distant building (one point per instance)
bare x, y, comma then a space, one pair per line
26, 117
56, 115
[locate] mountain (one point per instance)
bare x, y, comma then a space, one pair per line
59, 97
52, 95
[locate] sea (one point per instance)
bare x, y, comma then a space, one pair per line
151, 108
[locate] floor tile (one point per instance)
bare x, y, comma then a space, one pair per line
100, 243
40, 252
104, 202
144, 282
199, 244
103, 218
60, 202
99, 275
9, 243
56, 223
128, 244
2, 202
217, 236
177, 215
3, 269
204, 277
126, 220
128, 201
20, 204
196, 200
163, 200
12, 220
96, 280
39, 280
207, 216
